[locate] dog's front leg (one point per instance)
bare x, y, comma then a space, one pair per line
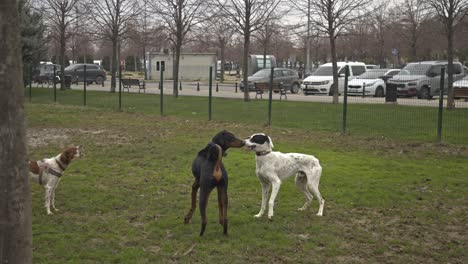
265, 192
48, 198
275, 186
53, 196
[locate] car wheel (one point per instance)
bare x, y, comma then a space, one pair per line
424, 93
379, 92
99, 79
295, 88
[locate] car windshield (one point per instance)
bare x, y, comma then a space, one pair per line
323, 71
262, 73
372, 74
415, 69
71, 67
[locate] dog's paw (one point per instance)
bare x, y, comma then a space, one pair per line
301, 209
258, 215
186, 220
270, 217
50, 213
56, 210
319, 214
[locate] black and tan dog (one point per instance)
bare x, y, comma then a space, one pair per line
209, 172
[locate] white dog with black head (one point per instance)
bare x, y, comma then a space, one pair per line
273, 167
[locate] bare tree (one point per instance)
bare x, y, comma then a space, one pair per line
15, 195
379, 19
246, 17
333, 17
111, 18
265, 35
303, 8
413, 15
215, 32
451, 13
60, 17
179, 17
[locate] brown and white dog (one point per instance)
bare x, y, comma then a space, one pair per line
48, 172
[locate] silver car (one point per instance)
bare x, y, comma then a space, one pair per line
422, 79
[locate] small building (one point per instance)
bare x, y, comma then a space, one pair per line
192, 66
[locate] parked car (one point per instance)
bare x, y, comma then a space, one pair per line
321, 80
94, 73
422, 79
461, 84
285, 76
44, 73
373, 81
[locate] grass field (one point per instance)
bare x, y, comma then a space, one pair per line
388, 200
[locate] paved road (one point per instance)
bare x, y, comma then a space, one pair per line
228, 91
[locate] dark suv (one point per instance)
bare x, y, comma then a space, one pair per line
94, 73
287, 77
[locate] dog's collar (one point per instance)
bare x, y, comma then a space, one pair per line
262, 153
61, 166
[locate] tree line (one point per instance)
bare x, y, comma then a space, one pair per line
304, 32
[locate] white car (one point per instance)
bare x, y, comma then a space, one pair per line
373, 81
321, 80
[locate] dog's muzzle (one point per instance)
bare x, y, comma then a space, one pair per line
251, 147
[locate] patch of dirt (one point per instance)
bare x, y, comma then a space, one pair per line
38, 137
46, 136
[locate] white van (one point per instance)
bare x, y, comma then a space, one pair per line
321, 80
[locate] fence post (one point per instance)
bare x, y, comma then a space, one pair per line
363, 89
236, 86
270, 95
210, 88
30, 82
217, 87
441, 105
345, 100
84, 85
161, 94
180, 85
120, 87
198, 86
55, 85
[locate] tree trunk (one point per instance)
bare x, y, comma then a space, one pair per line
62, 59
414, 44
144, 62
450, 99
135, 63
175, 73
334, 90
15, 195
114, 65
223, 60
245, 65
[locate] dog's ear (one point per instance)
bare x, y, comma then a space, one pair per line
219, 138
270, 141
